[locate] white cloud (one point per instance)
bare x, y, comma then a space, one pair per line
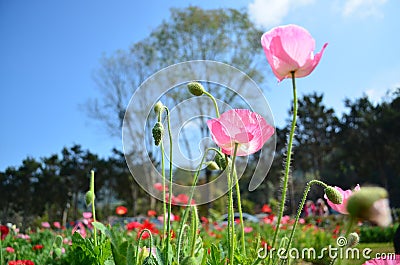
377, 95
269, 13
363, 8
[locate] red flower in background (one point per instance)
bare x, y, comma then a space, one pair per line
151, 213
4, 230
133, 225
37, 247
21, 262
121, 210
266, 209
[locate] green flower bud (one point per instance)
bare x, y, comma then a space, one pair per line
333, 195
189, 261
89, 196
211, 165
352, 240
158, 133
158, 107
58, 252
370, 203
196, 88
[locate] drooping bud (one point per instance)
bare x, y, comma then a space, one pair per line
212, 165
158, 107
158, 133
352, 240
89, 197
370, 203
333, 195
220, 160
196, 88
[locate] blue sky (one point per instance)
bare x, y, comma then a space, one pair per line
49, 51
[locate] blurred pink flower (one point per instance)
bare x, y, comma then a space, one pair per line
45, 224
341, 208
289, 49
248, 229
57, 225
87, 215
158, 186
240, 126
10, 250
395, 261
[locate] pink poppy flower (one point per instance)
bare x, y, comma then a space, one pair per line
87, 215
289, 49
240, 126
248, 229
388, 261
158, 186
10, 250
57, 225
341, 208
45, 224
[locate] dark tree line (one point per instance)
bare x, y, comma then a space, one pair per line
361, 147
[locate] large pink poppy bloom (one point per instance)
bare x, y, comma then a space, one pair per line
341, 208
289, 49
391, 261
240, 126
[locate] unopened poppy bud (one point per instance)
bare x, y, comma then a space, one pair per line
158, 107
370, 203
352, 240
89, 196
333, 195
189, 261
196, 88
220, 160
158, 133
212, 165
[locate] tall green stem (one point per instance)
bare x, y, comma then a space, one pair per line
170, 186
300, 209
163, 180
239, 205
288, 161
93, 206
231, 219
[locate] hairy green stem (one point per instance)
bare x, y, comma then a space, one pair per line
288, 161
300, 209
93, 206
163, 181
239, 205
232, 218
170, 186
214, 101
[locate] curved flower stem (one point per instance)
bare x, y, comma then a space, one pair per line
185, 213
300, 209
93, 206
140, 240
214, 101
288, 161
170, 186
239, 205
163, 180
